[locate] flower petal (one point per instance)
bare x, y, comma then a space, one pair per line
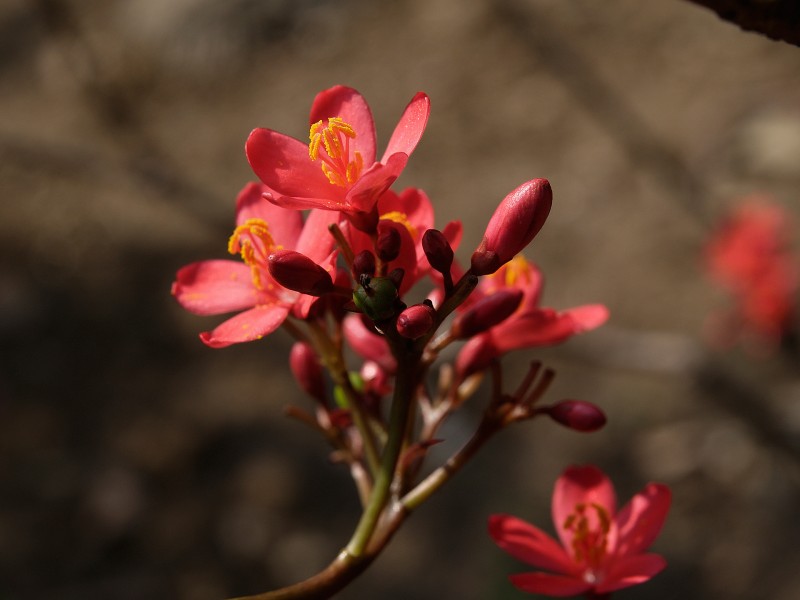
530, 544
410, 127
213, 287
283, 164
576, 485
641, 519
284, 225
365, 192
347, 104
588, 316
558, 586
367, 344
316, 241
247, 326
631, 570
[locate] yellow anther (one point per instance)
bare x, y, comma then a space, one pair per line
253, 241
334, 138
517, 269
402, 218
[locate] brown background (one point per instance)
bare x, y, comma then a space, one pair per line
137, 463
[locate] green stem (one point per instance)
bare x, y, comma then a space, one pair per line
405, 384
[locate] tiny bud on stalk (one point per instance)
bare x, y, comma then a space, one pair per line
415, 321
363, 264
515, 222
307, 370
437, 250
485, 313
297, 272
387, 245
577, 415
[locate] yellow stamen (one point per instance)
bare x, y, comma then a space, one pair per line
517, 269
402, 218
253, 241
331, 144
589, 545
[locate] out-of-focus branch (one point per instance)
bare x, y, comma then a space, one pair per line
776, 19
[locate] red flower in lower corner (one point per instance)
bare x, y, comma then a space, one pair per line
601, 550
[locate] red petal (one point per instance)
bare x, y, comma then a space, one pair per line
284, 225
587, 485
316, 241
588, 316
557, 586
247, 326
214, 287
352, 108
282, 163
530, 544
631, 570
364, 194
409, 128
641, 519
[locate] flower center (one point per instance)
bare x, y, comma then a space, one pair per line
331, 144
517, 269
254, 242
402, 218
590, 535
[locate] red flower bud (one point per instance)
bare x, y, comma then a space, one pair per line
437, 250
363, 264
297, 272
388, 242
486, 312
415, 321
513, 225
307, 370
577, 415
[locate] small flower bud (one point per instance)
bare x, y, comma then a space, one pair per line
415, 321
577, 415
307, 370
388, 242
376, 297
515, 222
363, 264
486, 312
437, 250
297, 272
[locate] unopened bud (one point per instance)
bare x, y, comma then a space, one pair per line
415, 321
307, 370
577, 415
437, 250
388, 242
376, 297
297, 272
515, 222
486, 312
363, 264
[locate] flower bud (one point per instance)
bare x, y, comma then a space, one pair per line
307, 370
437, 250
513, 225
297, 272
577, 415
363, 264
486, 312
376, 297
388, 242
416, 321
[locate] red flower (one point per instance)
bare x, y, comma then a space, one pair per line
601, 550
530, 325
749, 256
337, 169
215, 287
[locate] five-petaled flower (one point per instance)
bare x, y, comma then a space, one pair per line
337, 169
213, 287
601, 550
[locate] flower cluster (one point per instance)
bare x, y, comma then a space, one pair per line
329, 252
750, 257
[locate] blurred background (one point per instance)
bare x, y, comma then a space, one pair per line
137, 463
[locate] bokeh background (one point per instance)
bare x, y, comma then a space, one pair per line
137, 463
